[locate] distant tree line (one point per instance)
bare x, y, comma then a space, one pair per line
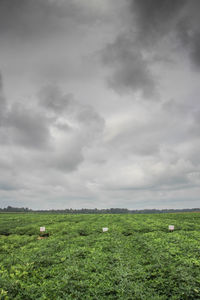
15, 209
97, 211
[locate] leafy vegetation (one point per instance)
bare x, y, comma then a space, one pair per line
138, 258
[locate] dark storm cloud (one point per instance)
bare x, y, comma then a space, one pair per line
56, 125
155, 17
3, 112
188, 30
29, 18
27, 127
130, 55
51, 98
76, 127
1, 84
21, 125
129, 69
189, 36
2, 102
156, 27
25, 17
195, 49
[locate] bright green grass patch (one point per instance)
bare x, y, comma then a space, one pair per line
138, 258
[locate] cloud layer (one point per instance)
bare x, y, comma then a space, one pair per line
99, 103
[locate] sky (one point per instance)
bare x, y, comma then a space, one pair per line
99, 104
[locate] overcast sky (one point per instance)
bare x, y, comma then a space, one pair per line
99, 103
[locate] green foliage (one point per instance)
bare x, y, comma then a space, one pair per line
138, 258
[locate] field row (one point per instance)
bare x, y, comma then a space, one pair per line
138, 258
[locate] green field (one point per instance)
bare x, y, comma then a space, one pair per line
138, 258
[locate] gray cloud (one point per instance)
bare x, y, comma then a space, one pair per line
132, 55
188, 30
129, 69
51, 98
28, 19
195, 49
2, 102
189, 36
27, 127
155, 18
95, 147
74, 127
154, 29
22, 124
57, 126
160, 150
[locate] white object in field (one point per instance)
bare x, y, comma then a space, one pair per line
171, 227
105, 229
42, 229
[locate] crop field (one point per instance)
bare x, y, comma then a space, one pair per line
137, 258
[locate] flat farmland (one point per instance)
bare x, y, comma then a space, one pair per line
137, 258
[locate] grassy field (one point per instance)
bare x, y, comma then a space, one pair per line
138, 258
